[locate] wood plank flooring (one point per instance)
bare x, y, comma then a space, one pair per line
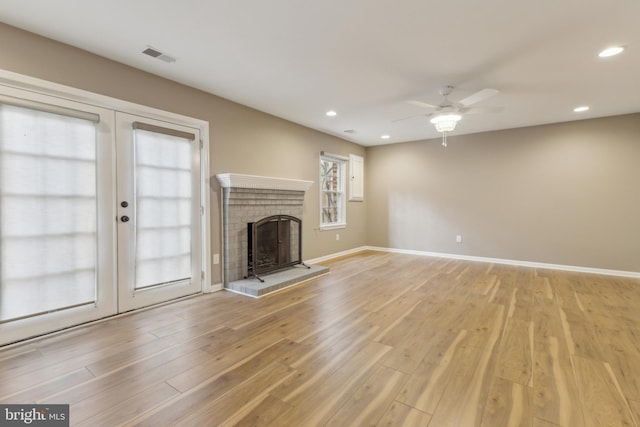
384, 339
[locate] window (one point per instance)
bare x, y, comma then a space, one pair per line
332, 192
164, 200
48, 211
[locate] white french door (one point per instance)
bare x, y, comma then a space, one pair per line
100, 213
57, 265
159, 213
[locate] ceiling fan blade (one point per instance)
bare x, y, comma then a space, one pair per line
422, 104
482, 109
412, 117
478, 96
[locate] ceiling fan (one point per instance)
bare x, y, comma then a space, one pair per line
446, 115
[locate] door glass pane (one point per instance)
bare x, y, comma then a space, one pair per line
47, 212
163, 166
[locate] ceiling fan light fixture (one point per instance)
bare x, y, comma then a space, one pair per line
611, 51
446, 122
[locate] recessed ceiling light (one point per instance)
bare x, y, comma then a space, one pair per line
611, 51
385, 136
331, 113
581, 109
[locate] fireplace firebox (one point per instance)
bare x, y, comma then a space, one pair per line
275, 243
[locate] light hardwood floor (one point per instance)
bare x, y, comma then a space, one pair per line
384, 339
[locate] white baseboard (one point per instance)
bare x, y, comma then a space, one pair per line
215, 287
619, 273
336, 255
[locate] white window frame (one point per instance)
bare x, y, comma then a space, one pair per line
341, 161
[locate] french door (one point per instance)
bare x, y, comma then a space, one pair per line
159, 213
100, 213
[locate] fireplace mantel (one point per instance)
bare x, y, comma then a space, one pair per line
233, 180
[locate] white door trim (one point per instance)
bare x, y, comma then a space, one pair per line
69, 96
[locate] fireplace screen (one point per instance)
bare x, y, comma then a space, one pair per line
275, 243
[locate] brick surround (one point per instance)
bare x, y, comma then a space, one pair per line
248, 198
251, 205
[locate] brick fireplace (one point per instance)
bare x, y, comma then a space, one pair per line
248, 199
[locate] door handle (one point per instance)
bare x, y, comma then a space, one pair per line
124, 218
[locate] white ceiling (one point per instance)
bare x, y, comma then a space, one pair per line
297, 59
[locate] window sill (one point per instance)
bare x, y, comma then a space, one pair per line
328, 227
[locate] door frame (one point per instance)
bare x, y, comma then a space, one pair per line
89, 101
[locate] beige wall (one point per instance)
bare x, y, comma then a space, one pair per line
562, 194
242, 140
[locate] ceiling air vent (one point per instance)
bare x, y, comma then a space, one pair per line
155, 53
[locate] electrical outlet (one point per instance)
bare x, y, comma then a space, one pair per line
459, 238
337, 236
216, 258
